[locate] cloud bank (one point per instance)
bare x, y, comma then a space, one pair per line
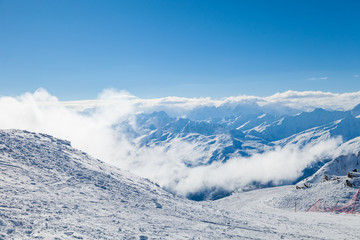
92, 126
279, 165
177, 106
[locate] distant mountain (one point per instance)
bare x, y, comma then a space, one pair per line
224, 132
290, 125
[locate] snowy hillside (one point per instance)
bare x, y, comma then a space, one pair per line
50, 190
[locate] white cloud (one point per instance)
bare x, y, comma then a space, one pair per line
309, 100
41, 112
317, 78
279, 165
178, 106
356, 75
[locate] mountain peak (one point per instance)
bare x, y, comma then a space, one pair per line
356, 111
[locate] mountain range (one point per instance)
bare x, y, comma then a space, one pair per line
219, 134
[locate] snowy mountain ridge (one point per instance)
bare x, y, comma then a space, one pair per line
218, 135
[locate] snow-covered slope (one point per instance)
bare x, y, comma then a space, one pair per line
335, 183
274, 211
50, 190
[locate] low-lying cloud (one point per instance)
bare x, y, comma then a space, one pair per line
180, 106
91, 127
280, 165
317, 78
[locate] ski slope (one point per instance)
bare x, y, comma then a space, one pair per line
265, 220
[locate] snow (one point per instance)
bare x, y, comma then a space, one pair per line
50, 190
238, 128
261, 116
272, 211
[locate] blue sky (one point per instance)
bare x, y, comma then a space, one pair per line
75, 49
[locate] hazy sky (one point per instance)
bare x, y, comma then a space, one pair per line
157, 48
